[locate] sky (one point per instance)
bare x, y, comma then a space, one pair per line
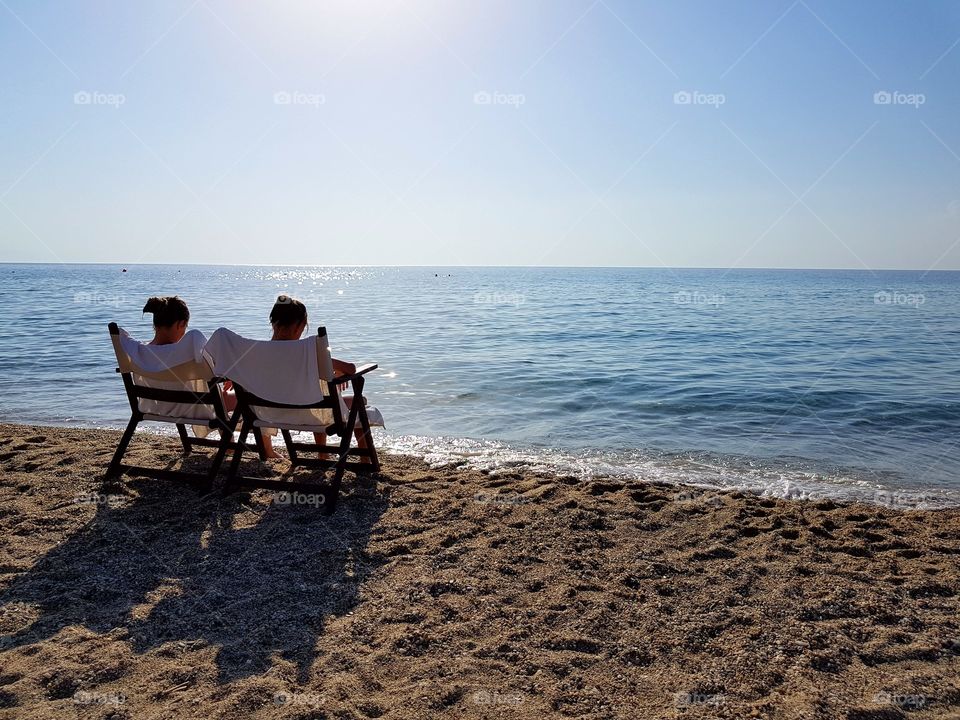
781, 133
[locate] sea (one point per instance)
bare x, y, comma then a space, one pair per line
788, 383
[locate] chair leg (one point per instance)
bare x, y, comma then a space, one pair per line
344, 454
114, 469
184, 438
228, 486
338, 473
260, 442
288, 440
368, 437
226, 439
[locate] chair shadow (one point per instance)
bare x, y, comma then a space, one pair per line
169, 565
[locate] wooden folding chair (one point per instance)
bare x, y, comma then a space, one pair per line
186, 394
256, 412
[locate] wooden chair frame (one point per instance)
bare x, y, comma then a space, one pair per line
344, 427
225, 425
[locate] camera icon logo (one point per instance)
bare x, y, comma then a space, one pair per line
882, 97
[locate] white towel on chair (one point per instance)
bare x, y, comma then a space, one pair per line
283, 371
157, 358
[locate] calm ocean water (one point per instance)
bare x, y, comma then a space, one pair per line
794, 383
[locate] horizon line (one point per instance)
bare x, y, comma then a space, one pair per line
527, 267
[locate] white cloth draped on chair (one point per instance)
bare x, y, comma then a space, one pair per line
177, 366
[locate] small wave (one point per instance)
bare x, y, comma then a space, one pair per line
789, 479
786, 478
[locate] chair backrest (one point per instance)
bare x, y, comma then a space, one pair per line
183, 372
182, 390
324, 358
272, 377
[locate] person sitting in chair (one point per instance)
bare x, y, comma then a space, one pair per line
288, 318
170, 319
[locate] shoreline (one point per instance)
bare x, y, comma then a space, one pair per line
672, 469
444, 591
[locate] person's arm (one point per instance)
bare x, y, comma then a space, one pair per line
343, 368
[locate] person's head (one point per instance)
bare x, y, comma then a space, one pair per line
170, 318
288, 318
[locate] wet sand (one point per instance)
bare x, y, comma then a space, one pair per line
444, 592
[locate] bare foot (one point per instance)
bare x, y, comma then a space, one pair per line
271, 454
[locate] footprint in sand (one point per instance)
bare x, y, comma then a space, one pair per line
646, 497
601, 488
859, 551
910, 554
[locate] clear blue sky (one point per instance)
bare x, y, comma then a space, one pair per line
388, 154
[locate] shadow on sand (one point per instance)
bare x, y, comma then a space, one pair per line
167, 565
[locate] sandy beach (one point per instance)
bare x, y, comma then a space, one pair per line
451, 593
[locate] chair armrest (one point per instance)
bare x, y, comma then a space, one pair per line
362, 370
